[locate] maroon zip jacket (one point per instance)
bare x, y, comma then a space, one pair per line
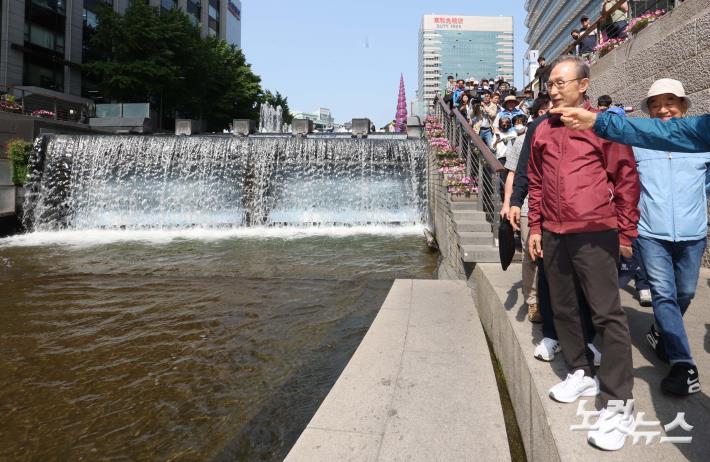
581, 183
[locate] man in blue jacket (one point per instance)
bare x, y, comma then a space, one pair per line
691, 134
672, 235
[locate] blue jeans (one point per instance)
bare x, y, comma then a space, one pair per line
487, 136
641, 281
672, 269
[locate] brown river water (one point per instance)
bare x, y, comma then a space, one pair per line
181, 348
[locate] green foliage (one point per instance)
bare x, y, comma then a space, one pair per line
18, 151
279, 100
161, 58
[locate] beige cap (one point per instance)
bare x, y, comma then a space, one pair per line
663, 86
510, 98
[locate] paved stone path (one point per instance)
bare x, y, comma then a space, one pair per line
420, 387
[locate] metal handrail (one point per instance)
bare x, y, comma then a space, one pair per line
492, 161
593, 27
480, 161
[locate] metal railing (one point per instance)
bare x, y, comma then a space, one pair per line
481, 163
21, 100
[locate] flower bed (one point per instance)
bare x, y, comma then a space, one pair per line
607, 45
450, 163
638, 24
43, 113
8, 104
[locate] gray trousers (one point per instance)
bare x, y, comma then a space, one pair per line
588, 261
529, 266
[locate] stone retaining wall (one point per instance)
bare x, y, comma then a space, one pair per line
675, 46
441, 220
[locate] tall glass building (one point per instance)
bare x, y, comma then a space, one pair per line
463, 46
550, 23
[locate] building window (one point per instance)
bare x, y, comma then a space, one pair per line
194, 11
213, 18
167, 5
40, 75
45, 38
56, 6
90, 19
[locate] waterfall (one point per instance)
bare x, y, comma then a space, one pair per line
270, 119
166, 182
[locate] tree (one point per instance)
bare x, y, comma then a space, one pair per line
161, 58
230, 89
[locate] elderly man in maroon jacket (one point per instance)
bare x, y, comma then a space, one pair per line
584, 193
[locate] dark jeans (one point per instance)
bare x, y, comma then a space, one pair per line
616, 30
589, 262
543, 300
673, 269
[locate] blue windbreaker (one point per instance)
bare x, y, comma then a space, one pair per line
689, 134
674, 194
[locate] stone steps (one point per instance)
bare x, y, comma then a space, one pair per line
454, 206
480, 253
469, 215
420, 386
476, 238
472, 226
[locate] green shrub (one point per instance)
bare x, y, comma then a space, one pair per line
18, 151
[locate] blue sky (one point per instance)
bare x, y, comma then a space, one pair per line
314, 51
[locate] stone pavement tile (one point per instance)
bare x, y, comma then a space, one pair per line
648, 372
447, 408
362, 394
399, 296
444, 319
317, 444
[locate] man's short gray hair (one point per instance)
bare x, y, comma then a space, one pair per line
582, 66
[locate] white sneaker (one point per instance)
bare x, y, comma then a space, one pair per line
547, 349
597, 354
645, 298
613, 429
575, 386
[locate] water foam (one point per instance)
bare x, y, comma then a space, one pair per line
96, 237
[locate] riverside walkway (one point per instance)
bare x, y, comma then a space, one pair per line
420, 387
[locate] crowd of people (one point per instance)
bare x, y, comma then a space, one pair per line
593, 210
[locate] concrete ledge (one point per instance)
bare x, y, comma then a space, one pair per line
420, 386
7, 200
544, 424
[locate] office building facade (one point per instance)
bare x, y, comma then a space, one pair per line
550, 23
44, 42
461, 46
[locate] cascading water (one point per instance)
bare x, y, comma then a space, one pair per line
116, 182
270, 119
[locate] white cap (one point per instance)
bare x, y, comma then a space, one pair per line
663, 86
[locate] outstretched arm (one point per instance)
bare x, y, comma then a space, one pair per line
690, 134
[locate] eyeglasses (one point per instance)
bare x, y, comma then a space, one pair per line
560, 84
